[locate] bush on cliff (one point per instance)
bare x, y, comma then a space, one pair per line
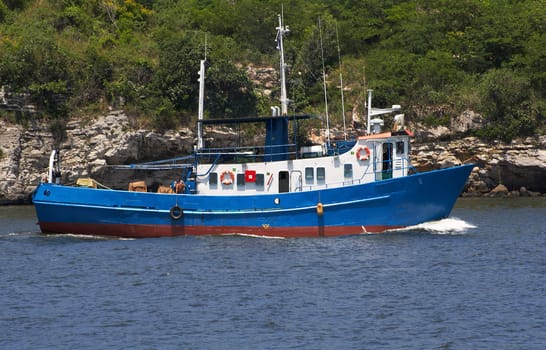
73, 56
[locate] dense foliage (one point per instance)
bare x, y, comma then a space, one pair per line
78, 56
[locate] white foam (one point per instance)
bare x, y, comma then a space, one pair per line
251, 235
450, 225
26, 233
91, 237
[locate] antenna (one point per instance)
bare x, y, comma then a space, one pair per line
372, 112
324, 86
341, 85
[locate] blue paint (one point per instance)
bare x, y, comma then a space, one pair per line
395, 202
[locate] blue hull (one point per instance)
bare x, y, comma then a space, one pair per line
371, 207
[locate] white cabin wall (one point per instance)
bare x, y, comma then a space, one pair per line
334, 170
401, 157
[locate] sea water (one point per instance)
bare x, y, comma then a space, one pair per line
476, 280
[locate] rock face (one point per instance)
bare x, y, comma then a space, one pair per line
21, 154
516, 165
466, 121
92, 147
89, 150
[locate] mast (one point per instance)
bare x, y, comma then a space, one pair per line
368, 126
201, 80
324, 86
341, 85
281, 31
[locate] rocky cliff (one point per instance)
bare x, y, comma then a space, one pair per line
519, 168
91, 148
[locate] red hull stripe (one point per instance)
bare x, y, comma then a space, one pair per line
144, 231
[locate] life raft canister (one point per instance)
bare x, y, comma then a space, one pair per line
363, 153
227, 177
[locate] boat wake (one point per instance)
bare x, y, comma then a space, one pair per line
89, 237
251, 235
21, 234
449, 226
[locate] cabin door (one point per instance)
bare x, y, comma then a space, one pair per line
284, 181
386, 163
296, 179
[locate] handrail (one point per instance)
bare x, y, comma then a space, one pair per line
353, 181
152, 166
253, 148
164, 164
212, 165
240, 152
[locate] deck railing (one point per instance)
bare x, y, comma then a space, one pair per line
402, 169
245, 154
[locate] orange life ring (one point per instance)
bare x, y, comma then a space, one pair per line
227, 180
363, 153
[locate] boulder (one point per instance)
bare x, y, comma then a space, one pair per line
498, 191
467, 121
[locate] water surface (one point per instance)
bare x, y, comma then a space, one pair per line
473, 281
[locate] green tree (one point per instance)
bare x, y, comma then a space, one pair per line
505, 102
16, 4
4, 11
176, 75
229, 91
37, 66
82, 54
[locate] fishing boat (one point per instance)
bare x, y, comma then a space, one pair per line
278, 189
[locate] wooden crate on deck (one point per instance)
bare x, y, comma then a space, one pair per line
138, 186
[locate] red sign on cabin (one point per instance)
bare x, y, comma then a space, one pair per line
250, 175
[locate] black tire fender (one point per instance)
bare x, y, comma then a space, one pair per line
176, 212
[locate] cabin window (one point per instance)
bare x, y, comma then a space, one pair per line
240, 180
213, 179
259, 180
321, 175
348, 170
309, 175
400, 147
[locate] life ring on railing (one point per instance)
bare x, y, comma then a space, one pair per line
363, 153
176, 212
227, 177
